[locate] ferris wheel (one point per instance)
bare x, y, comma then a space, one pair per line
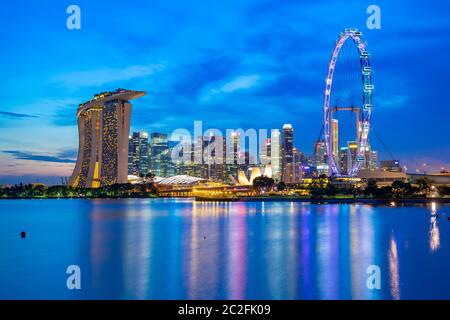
363, 112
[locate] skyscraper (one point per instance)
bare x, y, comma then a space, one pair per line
297, 165
319, 152
352, 148
343, 160
103, 129
335, 139
233, 153
265, 152
275, 154
159, 154
287, 155
138, 154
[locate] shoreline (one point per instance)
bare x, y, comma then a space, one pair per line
267, 199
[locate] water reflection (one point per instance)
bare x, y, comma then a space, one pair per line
394, 269
434, 238
182, 249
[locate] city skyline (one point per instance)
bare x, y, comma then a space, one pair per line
271, 74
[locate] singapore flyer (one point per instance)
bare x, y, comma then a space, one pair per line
362, 114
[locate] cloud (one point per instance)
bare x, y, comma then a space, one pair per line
13, 115
63, 157
239, 83
102, 76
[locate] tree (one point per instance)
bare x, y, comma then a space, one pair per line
281, 186
263, 183
150, 177
371, 189
424, 185
398, 188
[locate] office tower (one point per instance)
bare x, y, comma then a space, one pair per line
159, 154
370, 159
138, 153
265, 152
335, 138
213, 151
352, 148
297, 165
319, 152
103, 129
287, 154
233, 153
343, 160
373, 162
275, 154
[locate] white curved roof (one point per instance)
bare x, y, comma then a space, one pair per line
181, 179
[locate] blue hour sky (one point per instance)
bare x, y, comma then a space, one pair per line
231, 64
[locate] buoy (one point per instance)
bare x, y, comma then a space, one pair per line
23, 234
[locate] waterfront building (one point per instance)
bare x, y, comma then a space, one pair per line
103, 129
391, 166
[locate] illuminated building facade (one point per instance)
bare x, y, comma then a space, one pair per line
335, 138
287, 155
138, 154
159, 154
343, 160
319, 152
352, 147
103, 128
275, 153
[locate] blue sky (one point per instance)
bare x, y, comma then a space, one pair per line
231, 64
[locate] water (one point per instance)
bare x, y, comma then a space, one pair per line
182, 249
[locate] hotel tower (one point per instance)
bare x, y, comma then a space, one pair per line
103, 129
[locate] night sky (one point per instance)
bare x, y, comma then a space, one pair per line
231, 64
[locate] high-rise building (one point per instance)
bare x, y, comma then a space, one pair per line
213, 152
233, 154
265, 152
335, 139
370, 159
103, 128
275, 154
287, 155
297, 165
352, 148
343, 160
159, 154
373, 162
319, 152
138, 154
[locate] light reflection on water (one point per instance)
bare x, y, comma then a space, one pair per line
182, 249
